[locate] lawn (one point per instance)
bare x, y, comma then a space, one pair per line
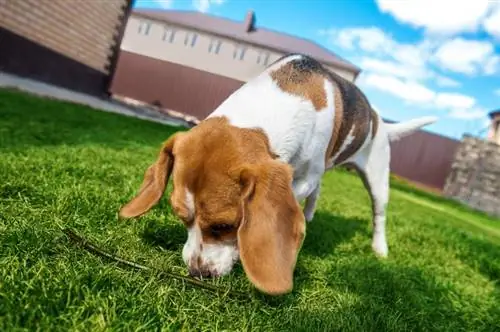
64, 165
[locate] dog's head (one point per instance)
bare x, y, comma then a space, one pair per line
235, 200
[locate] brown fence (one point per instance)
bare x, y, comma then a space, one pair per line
423, 157
168, 85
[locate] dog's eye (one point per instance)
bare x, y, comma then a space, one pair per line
218, 229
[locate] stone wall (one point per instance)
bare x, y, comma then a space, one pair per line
474, 178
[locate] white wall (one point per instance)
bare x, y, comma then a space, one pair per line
191, 48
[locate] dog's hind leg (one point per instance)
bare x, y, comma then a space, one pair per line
373, 168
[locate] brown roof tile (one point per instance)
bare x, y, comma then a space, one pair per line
258, 36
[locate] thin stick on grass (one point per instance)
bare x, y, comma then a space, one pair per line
79, 240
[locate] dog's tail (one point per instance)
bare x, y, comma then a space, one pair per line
402, 129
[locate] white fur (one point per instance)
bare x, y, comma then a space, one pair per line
192, 247
217, 259
399, 130
300, 135
344, 145
189, 202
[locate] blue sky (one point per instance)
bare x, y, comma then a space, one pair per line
418, 57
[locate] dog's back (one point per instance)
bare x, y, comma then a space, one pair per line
314, 118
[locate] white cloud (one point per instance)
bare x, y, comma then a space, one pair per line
446, 17
368, 39
204, 5
492, 23
399, 59
438, 16
406, 90
404, 70
467, 114
386, 56
377, 42
412, 55
465, 56
454, 101
393, 68
444, 81
491, 65
469, 57
458, 105
497, 92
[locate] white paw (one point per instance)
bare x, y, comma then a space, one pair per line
308, 215
379, 246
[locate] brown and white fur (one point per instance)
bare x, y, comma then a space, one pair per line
239, 175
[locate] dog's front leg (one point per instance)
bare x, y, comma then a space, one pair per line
310, 206
302, 189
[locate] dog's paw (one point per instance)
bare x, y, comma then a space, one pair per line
308, 215
380, 248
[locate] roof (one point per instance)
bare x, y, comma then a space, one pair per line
494, 114
235, 30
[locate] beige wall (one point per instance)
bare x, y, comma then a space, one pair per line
154, 39
494, 132
84, 31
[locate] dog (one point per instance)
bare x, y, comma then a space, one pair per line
240, 175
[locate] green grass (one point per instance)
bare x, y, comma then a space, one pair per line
66, 165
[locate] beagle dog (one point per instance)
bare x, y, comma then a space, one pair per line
240, 175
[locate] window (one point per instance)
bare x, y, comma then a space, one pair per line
214, 46
168, 34
192, 37
263, 58
239, 52
144, 28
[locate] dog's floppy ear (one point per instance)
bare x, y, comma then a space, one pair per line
272, 227
154, 183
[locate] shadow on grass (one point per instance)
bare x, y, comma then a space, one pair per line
167, 236
482, 256
379, 295
326, 231
384, 298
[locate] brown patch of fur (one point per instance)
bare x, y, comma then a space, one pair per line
154, 183
355, 114
374, 123
307, 84
335, 143
273, 227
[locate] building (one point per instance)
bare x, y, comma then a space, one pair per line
65, 43
182, 61
189, 62
494, 132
